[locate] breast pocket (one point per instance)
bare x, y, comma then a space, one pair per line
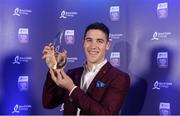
98, 93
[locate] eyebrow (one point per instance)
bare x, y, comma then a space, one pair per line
87, 38
98, 39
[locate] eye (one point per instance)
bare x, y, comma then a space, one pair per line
88, 39
100, 41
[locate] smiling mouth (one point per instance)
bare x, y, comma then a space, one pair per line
93, 52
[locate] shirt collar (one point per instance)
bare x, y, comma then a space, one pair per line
95, 66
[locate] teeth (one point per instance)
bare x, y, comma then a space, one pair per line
93, 52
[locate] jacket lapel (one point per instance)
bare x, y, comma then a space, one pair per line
99, 76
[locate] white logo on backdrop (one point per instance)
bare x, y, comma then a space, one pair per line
23, 35
16, 12
158, 85
155, 36
23, 83
162, 59
162, 10
19, 12
72, 59
18, 59
114, 13
62, 107
115, 58
164, 108
69, 36
115, 36
65, 14
18, 108
161, 35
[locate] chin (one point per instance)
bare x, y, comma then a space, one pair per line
92, 61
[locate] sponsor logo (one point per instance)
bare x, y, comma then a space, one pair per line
159, 85
19, 59
72, 59
161, 35
23, 83
62, 107
162, 59
162, 10
19, 108
23, 35
155, 36
115, 36
164, 108
114, 13
69, 36
115, 58
67, 14
16, 60
19, 12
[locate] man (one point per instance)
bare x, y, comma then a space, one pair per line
95, 88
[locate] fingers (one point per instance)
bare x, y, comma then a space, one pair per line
61, 79
56, 75
44, 56
54, 78
46, 53
64, 75
49, 49
50, 44
59, 74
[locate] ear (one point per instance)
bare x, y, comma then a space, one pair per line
108, 45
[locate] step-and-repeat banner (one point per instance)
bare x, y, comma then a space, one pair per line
144, 39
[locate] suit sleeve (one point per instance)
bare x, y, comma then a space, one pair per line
112, 100
52, 94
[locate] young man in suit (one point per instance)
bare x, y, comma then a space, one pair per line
95, 88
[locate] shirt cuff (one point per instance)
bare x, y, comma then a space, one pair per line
72, 90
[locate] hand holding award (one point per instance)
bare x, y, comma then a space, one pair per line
54, 54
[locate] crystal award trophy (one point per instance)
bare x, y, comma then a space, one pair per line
60, 52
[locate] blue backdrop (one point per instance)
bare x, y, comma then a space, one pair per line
144, 38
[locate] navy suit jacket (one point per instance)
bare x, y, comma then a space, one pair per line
105, 94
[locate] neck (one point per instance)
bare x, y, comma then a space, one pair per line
91, 65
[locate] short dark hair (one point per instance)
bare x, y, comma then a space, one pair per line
99, 26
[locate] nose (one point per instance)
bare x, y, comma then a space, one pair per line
93, 44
